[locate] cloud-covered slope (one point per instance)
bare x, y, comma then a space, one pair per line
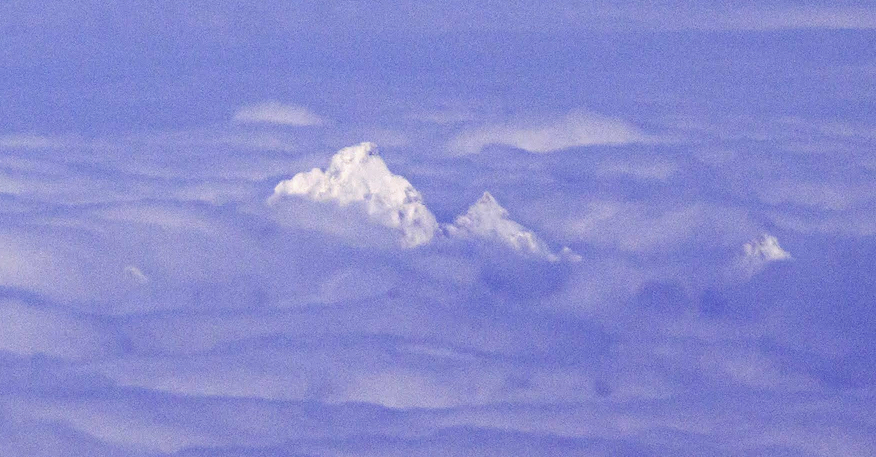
358, 174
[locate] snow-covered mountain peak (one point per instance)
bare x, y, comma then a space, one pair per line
757, 254
765, 249
358, 174
485, 208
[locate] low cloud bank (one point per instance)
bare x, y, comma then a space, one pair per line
575, 129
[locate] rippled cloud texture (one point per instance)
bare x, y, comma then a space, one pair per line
337, 228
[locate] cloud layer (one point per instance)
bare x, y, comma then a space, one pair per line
140, 309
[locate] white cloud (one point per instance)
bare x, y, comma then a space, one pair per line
851, 223
575, 129
358, 174
29, 330
42, 261
115, 424
596, 288
21, 141
654, 228
803, 17
272, 112
487, 219
836, 195
446, 116
645, 170
168, 217
135, 275
353, 284
794, 15
754, 369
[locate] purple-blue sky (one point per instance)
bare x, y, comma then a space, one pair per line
372, 228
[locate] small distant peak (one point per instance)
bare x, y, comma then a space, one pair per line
766, 248
758, 253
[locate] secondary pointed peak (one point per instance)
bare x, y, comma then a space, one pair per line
487, 206
486, 218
